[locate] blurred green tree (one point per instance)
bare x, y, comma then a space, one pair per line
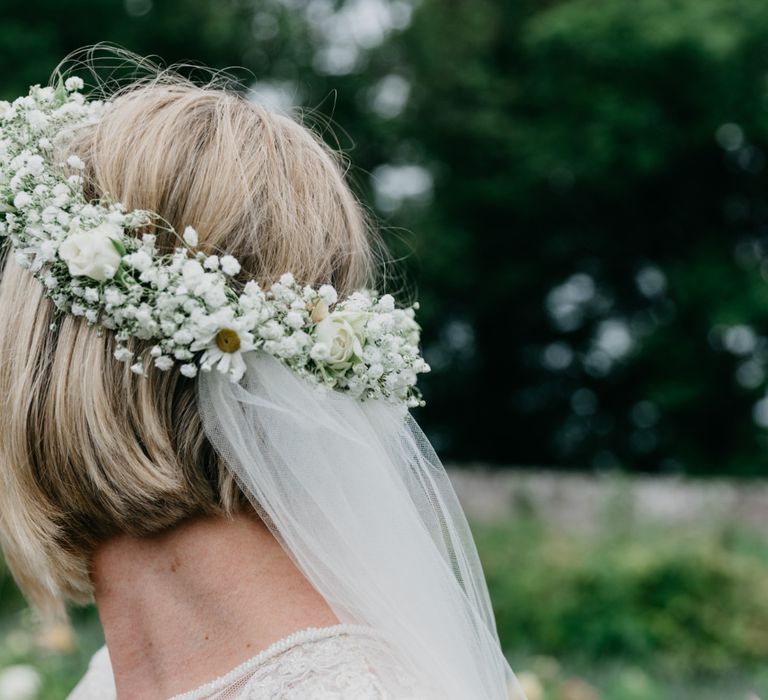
583, 179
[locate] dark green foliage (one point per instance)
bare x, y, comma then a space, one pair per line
580, 137
686, 604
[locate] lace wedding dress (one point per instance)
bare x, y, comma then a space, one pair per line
344, 662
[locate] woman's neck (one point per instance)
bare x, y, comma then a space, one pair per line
182, 608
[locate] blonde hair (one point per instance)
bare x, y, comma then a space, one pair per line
88, 449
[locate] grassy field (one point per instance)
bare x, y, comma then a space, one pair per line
617, 615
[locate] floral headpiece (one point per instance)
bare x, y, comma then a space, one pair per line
95, 260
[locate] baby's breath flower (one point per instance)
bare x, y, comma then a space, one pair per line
294, 319
75, 162
229, 265
73, 83
188, 370
190, 237
123, 354
22, 200
328, 294
164, 363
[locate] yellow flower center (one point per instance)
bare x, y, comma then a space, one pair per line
228, 340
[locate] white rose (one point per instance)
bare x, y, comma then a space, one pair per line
92, 253
356, 319
341, 341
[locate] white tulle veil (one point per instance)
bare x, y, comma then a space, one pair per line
360, 501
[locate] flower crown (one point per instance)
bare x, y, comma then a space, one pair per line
96, 260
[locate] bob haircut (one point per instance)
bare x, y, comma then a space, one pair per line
87, 448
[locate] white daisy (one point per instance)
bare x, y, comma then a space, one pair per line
224, 349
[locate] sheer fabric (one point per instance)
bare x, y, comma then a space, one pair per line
359, 499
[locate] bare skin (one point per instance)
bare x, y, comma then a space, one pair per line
185, 607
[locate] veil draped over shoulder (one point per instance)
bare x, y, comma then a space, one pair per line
360, 501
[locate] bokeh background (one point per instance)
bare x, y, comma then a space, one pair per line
577, 193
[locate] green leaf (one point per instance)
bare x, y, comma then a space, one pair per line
119, 247
61, 92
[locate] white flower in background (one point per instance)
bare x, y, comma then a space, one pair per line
92, 253
20, 682
341, 340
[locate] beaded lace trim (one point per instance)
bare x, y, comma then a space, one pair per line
303, 636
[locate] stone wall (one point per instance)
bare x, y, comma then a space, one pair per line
584, 501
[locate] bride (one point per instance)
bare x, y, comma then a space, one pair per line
206, 426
